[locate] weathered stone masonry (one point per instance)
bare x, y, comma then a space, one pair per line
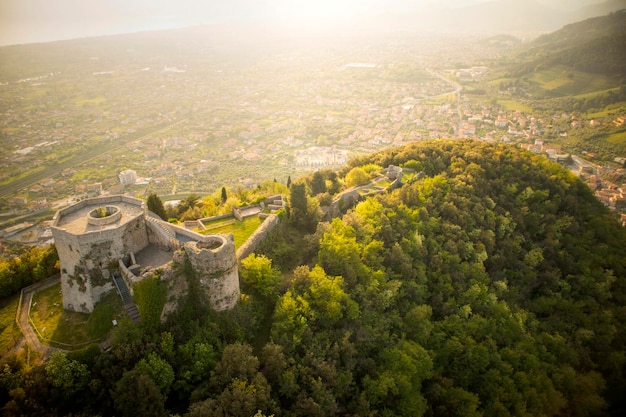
213, 261
93, 235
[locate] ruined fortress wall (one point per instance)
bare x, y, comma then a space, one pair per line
257, 237
85, 260
157, 235
273, 199
88, 246
129, 278
215, 264
75, 285
184, 232
99, 201
107, 245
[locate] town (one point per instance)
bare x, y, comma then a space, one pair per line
184, 122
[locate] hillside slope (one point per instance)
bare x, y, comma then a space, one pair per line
496, 283
594, 45
581, 32
492, 284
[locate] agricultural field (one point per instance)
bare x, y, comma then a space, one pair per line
619, 137
514, 105
563, 81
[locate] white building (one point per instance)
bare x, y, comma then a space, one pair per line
128, 177
320, 157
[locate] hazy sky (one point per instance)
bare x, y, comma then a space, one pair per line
26, 21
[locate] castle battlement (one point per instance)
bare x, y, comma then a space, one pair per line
80, 217
215, 262
93, 235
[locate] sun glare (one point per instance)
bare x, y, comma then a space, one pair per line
317, 9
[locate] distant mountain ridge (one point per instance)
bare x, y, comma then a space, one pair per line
594, 45
584, 31
509, 16
599, 9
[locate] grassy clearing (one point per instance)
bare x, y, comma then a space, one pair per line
383, 183
58, 326
22, 175
614, 109
497, 81
407, 175
241, 230
175, 197
12, 129
566, 81
619, 137
9, 332
597, 93
219, 222
514, 105
90, 101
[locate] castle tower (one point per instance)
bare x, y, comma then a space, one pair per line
90, 236
94, 234
214, 260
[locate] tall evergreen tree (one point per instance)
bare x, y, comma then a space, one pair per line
155, 205
305, 212
224, 195
298, 203
318, 183
298, 199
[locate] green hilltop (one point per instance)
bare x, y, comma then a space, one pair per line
490, 282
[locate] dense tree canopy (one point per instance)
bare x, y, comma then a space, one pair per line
493, 285
28, 268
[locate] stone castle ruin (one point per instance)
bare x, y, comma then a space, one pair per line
104, 234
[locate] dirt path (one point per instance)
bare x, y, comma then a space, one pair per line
23, 312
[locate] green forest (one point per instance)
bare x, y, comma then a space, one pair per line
492, 283
29, 267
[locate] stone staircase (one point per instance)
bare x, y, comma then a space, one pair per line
131, 308
161, 226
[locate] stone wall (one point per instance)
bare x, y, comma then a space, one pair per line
157, 234
76, 288
177, 286
87, 254
193, 224
85, 260
221, 216
343, 203
127, 276
86, 257
107, 200
177, 230
257, 237
214, 261
275, 199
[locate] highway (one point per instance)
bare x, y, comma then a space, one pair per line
55, 170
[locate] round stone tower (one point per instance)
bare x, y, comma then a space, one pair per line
214, 261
